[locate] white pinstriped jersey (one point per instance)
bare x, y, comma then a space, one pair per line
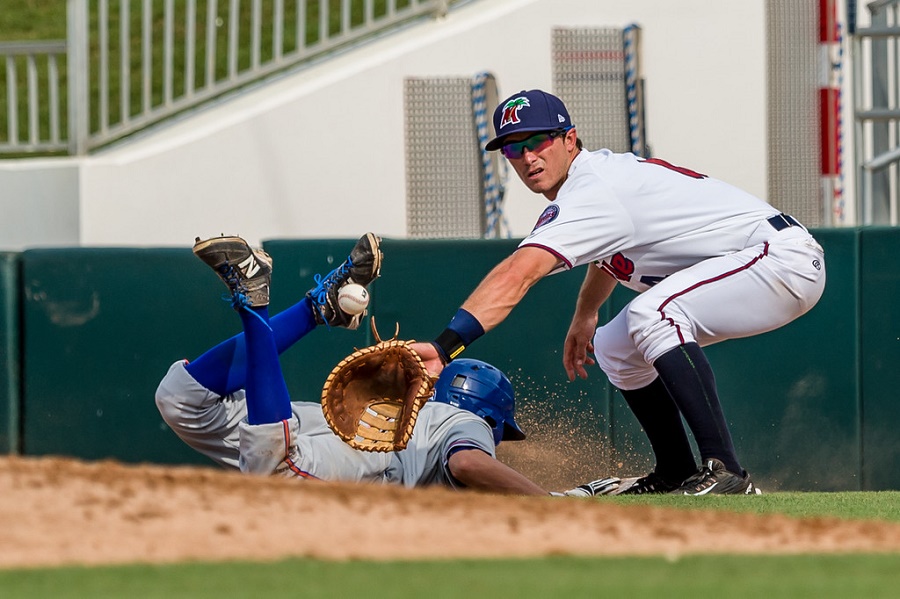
643, 219
217, 427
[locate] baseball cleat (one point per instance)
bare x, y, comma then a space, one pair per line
362, 266
652, 484
714, 479
246, 272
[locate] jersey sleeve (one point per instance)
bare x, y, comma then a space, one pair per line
440, 430
584, 224
467, 434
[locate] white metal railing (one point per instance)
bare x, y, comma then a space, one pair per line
28, 127
128, 64
876, 97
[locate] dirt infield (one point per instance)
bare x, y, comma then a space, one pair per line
56, 511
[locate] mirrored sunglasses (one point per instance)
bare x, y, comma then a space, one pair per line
535, 143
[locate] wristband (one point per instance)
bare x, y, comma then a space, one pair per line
461, 332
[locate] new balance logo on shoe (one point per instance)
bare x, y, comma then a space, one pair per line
246, 272
249, 266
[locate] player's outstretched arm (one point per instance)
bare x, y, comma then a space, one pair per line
505, 286
478, 470
491, 302
578, 348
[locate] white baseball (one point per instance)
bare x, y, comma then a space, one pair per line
353, 298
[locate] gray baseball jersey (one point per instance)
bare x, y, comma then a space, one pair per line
304, 446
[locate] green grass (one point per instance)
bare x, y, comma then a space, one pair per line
868, 505
716, 576
22, 20
820, 576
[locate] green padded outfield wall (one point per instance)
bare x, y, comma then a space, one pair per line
101, 326
880, 358
9, 352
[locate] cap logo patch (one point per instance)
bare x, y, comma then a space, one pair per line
547, 216
511, 111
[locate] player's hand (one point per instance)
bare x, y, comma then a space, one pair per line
578, 349
430, 357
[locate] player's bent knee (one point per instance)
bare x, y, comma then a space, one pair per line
654, 331
168, 400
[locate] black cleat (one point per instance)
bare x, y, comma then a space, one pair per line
713, 479
652, 484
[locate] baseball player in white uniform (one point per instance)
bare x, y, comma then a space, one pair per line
232, 405
711, 262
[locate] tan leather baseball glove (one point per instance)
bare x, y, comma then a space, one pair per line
372, 397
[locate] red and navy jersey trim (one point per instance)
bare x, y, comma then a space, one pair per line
559, 256
456, 446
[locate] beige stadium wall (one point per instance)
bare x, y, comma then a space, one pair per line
320, 153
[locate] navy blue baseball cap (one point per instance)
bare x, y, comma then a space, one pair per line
526, 111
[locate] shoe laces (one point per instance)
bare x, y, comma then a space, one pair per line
324, 284
232, 276
704, 478
234, 280
237, 300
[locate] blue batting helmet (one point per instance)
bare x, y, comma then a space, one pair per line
480, 388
